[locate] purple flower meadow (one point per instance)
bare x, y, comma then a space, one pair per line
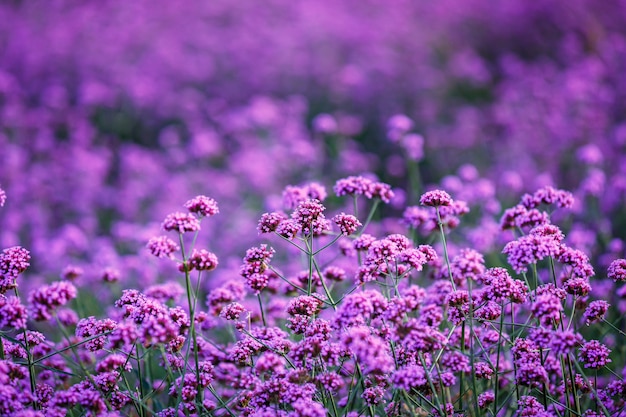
312, 208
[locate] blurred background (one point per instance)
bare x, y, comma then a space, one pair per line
114, 113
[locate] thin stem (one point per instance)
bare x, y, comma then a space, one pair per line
29, 359
445, 248
261, 308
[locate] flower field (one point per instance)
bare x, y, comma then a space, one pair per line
303, 209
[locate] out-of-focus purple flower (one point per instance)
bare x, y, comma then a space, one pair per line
162, 246
563, 342
590, 154
397, 126
486, 398
363, 242
415, 216
110, 275
358, 185
44, 300
548, 195
3, 197
325, 123
12, 313
413, 144
72, 272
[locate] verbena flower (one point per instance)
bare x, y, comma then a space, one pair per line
595, 311
203, 206
548, 195
594, 354
181, 223
269, 222
203, 260
436, 198
617, 270
347, 223
162, 246
44, 300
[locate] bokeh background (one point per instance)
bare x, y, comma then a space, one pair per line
113, 113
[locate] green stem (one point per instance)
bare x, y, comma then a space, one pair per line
29, 359
261, 308
445, 248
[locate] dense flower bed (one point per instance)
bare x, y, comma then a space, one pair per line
327, 319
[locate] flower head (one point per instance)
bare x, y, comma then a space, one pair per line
162, 246
202, 205
436, 198
181, 222
594, 354
617, 270
347, 223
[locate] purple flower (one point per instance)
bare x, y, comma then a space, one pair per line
531, 407
72, 273
305, 305
486, 398
562, 342
181, 222
288, 228
261, 253
594, 354
202, 205
547, 308
13, 261
347, 223
352, 186
436, 198
48, 297
3, 197
415, 216
12, 313
578, 287
294, 196
363, 242
541, 242
269, 222
410, 378
595, 311
483, 370
334, 273
162, 246
617, 270
90, 327
203, 260
520, 216
548, 195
